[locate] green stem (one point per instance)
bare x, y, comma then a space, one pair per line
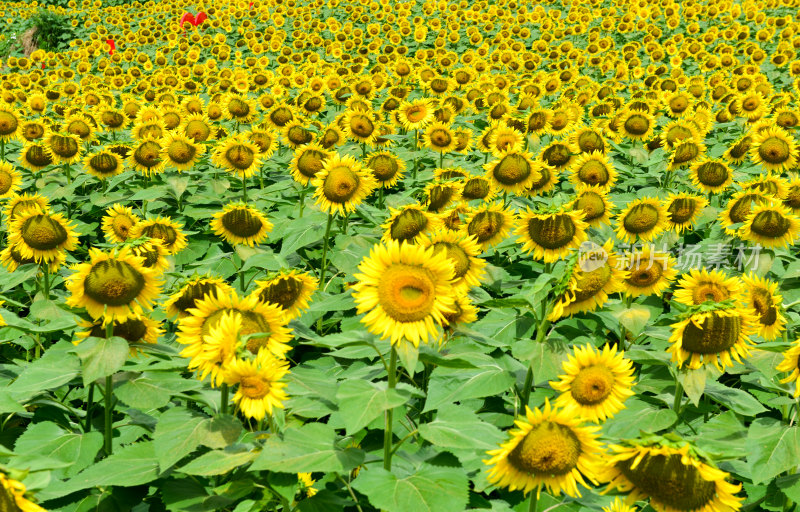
416, 143
441, 160
324, 263
244, 189
89, 403
2, 150
302, 200
676, 405
108, 430
534, 503
46, 280
387, 431
223, 401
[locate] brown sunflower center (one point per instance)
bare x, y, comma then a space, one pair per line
770, 224
383, 167
741, 208
283, 293
548, 449
103, 163
637, 124
475, 188
589, 142
592, 385
122, 225
485, 225
299, 135
559, 121
669, 481
792, 198
557, 155
341, 184
65, 147
238, 108
195, 292
591, 283
254, 387
592, 205
681, 210
716, 334
113, 283
37, 156
361, 125
33, 131
645, 273
77, 127
774, 150
408, 224
6, 180
457, 255
163, 232
280, 116
416, 113
242, 222
552, 232
406, 292
512, 169
537, 121
240, 157
310, 162
440, 138
112, 119
132, 330
43, 233
641, 219
181, 152
764, 306
593, 173
8, 123
686, 152
149, 253
147, 154
197, 130
678, 104
439, 197
709, 291
545, 174
712, 174
677, 133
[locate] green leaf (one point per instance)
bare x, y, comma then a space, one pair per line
637, 416
448, 385
429, 489
220, 431
361, 401
76, 450
634, 318
304, 231
459, 428
311, 447
694, 383
178, 433
772, 448
101, 357
723, 435
55, 368
737, 400
152, 390
218, 462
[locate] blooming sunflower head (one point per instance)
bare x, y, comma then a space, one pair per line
259, 383
163, 228
118, 222
774, 149
649, 272
683, 210
644, 219
699, 286
40, 235
593, 169
593, 202
341, 184
238, 156
288, 290
307, 162
463, 251
180, 152
771, 225
195, 289
489, 224
711, 175
387, 168
103, 164
761, 296
738, 209
10, 180
551, 236
238, 223
514, 171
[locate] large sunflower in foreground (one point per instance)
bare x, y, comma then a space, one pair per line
551, 236
644, 218
549, 448
405, 291
595, 384
260, 388
771, 225
761, 295
699, 286
12, 494
41, 236
113, 285
238, 223
671, 474
288, 290
342, 184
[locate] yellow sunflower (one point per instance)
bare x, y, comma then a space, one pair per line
593, 169
699, 286
683, 210
417, 114
774, 149
405, 291
103, 164
771, 225
195, 289
386, 167
342, 184
644, 219
513, 171
9, 122
41, 236
463, 251
596, 383
65, 148
791, 364
10, 180
738, 209
551, 236
477, 188
360, 126
636, 124
550, 448
307, 162
164, 229
35, 156
118, 222
219, 348
649, 272
138, 329
438, 137
290, 291
557, 154
464, 313
489, 224
11, 258
238, 223
593, 202
12, 497
180, 152
259, 385
711, 175
439, 195
237, 155
685, 153
761, 295
547, 182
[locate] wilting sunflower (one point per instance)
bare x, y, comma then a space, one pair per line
714, 335
307, 162
342, 184
238, 223
35, 156
118, 222
42, 236
146, 157
791, 364
164, 229
288, 290
551, 236
138, 329
761, 295
513, 171
113, 285
10, 180
463, 253
699, 286
414, 115
386, 167
596, 383
669, 472
550, 448
180, 152
711, 175
683, 210
237, 155
195, 289
103, 164
595, 275
739, 207
490, 224
644, 218
219, 348
593, 169
649, 272
593, 202
771, 225
775, 149
12, 494
259, 385
405, 291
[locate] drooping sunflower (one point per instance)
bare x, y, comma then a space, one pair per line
683, 210
405, 291
165, 229
342, 184
593, 202
490, 224
118, 222
738, 209
42, 236
738, 151
761, 295
596, 383
260, 388
238, 223
195, 289
771, 225
550, 448
649, 272
409, 224
307, 162
138, 329
593, 169
775, 149
237, 155
463, 251
791, 364
416, 114
477, 188
113, 285
557, 154
699, 286
768, 184
551, 236
669, 472
290, 291
386, 167
10, 180
513, 171
439, 195
180, 152
711, 175
239, 107
644, 218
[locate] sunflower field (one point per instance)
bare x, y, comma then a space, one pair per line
401, 256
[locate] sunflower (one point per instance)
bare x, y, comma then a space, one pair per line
547, 181
771, 225
587, 139
10, 180
146, 157
791, 201
551, 236
152, 251
386, 167
65, 148
670, 473
307, 162
557, 154
505, 140
513, 171
685, 153
464, 313
676, 131
295, 134
405, 291
118, 222
618, 506
11, 258
360, 126
219, 348
738, 209
711, 175
196, 289
415, 115
238, 223
41, 236
35, 156
113, 285
265, 324
103, 164
439, 195
596, 383
477, 188
769, 185
238, 156
180, 152
288, 290
699, 286
738, 151
330, 136
649, 272
550, 448
12, 496
34, 130
137, 329
9, 122
438, 137
775, 149
463, 251
594, 203
409, 224
593, 169
683, 210
306, 483
239, 108
595, 275
644, 218
259, 385
490, 224
266, 140
636, 124
762, 297
164, 229
342, 184
791, 364
197, 127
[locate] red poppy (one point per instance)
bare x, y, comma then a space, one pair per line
200, 18
110, 43
188, 17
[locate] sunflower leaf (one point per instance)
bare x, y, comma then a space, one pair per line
428, 489
101, 357
772, 448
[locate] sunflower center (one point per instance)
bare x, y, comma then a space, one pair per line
439, 197
557, 155
254, 387
43, 233
641, 219
770, 224
741, 208
686, 152
593, 173
589, 142
330, 138
678, 104
166, 234
592, 385
383, 167
792, 198
408, 225
33, 131
637, 124
716, 334
181, 152
195, 292
284, 293
406, 292
709, 292
774, 150
149, 253
537, 121
592, 205
485, 225
677, 133
741, 148
504, 140
113, 283
475, 188
457, 255
132, 330
122, 225
77, 127
299, 135
416, 113
645, 274
238, 108
553, 232
65, 147
103, 163
762, 302
361, 125
8, 123
548, 449
147, 154
592, 282
672, 483
37, 156
544, 171
112, 119
681, 210
440, 138
340, 184
241, 222
240, 157
559, 121
197, 130
310, 162
712, 174
512, 169
6, 180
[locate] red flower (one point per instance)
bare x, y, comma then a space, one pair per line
201, 17
188, 17
110, 43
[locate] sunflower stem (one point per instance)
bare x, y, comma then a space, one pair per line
441, 160
46, 280
533, 505
324, 262
303, 191
387, 431
89, 403
676, 405
416, 143
2, 150
108, 430
223, 401
244, 189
